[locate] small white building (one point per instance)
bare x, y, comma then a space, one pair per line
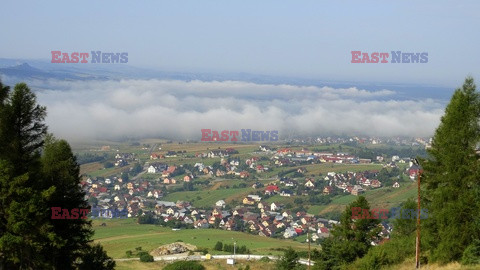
151, 169
220, 203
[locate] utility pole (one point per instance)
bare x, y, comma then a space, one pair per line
308, 239
417, 249
234, 249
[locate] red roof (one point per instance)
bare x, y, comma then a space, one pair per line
171, 169
271, 188
323, 230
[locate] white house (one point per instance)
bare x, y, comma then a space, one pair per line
289, 233
274, 206
151, 169
220, 203
309, 183
255, 197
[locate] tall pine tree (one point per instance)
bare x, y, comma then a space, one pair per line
351, 239
450, 182
21, 128
35, 175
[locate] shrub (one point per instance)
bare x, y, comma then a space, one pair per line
218, 246
184, 265
145, 257
289, 260
129, 253
392, 252
202, 250
471, 255
265, 259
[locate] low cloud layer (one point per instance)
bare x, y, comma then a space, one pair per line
83, 110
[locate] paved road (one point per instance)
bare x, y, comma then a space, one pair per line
214, 257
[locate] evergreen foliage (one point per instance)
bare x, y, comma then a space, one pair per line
38, 172
450, 182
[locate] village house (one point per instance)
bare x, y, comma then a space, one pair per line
248, 201
357, 190
327, 190
274, 206
219, 173
271, 190
156, 168
244, 174
220, 203
375, 183
170, 170
302, 170
286, 193
310, 183
169, 181
187, 178
255, 197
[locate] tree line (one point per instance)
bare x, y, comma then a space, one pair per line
450, 190
37, 172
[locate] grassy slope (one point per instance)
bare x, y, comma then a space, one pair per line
410, 264
255, 265
378, 198
207, 197
124, 234
209, 265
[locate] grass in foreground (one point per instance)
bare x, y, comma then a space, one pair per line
121, 235
209, 265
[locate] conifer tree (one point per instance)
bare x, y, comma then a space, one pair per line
450, 182
61, 171
21, 128
350, 239
37, 173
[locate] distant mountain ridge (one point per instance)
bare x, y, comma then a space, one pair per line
36, 71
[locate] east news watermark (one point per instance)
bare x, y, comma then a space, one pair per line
395, 212
392, 57
247, 135
81, 213
95, 57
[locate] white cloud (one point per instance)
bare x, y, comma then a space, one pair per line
176, 109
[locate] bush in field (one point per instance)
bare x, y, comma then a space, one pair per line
265, 259
204, 251
392, 252
145, 257
218, 246
471, 255
289, 260
184, 265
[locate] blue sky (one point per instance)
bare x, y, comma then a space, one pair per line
309, 39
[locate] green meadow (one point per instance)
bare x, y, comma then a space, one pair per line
120, 235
